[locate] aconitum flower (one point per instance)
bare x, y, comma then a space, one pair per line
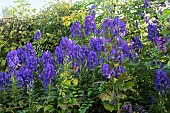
32, 63
76, 29
120, 70
119, 27
37, 35
116, 55
21, 54
161, 43
127, 108
24, 76
125, 48
59, 55
161, 81
12, 60
85, 50
92, 11
89, 25
92, 60
96, 44
65, 43
47, 58
152, 32
146, 4
29, 50
136, 44
137, 24
106, 25
48, 75
106, 71
4, 80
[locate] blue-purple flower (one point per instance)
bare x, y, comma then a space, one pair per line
47, 58
59, 55
12, 60
29, 50
37, 35
106, 71
48, 75
76, 29
5, 79
96, 44
146, 4
92, 60
161, 81
24, 76
21, 54
32, 63
152, 31
89, 25
118, 27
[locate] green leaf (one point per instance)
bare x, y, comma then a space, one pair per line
165, 14
168, 64
165, 31
109, 107
108, 95
49, 108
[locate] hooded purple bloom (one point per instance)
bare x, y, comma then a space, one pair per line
47, 58
29, 50
76, 29
65, 43
37, 35
24, 76
161, 43
146, 4
127, 108
106, 71
59, 55
137, 24
119, 27
21, 54
92, 60
48, 75
125, 48
116, 55
152, 32
89, 25
4, 80
106, 25
161, 81
120, 70
85, 50
96, 44
32, 63
12, 60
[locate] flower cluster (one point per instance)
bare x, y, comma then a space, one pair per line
116, 27
37, 35
161, 81
92, 60
89, 25
107, 72
146, 4
12, 60
152, 31
5, 79
96, 44
127, 108
76, 29
161, 43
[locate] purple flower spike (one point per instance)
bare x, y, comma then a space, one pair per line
37, 35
